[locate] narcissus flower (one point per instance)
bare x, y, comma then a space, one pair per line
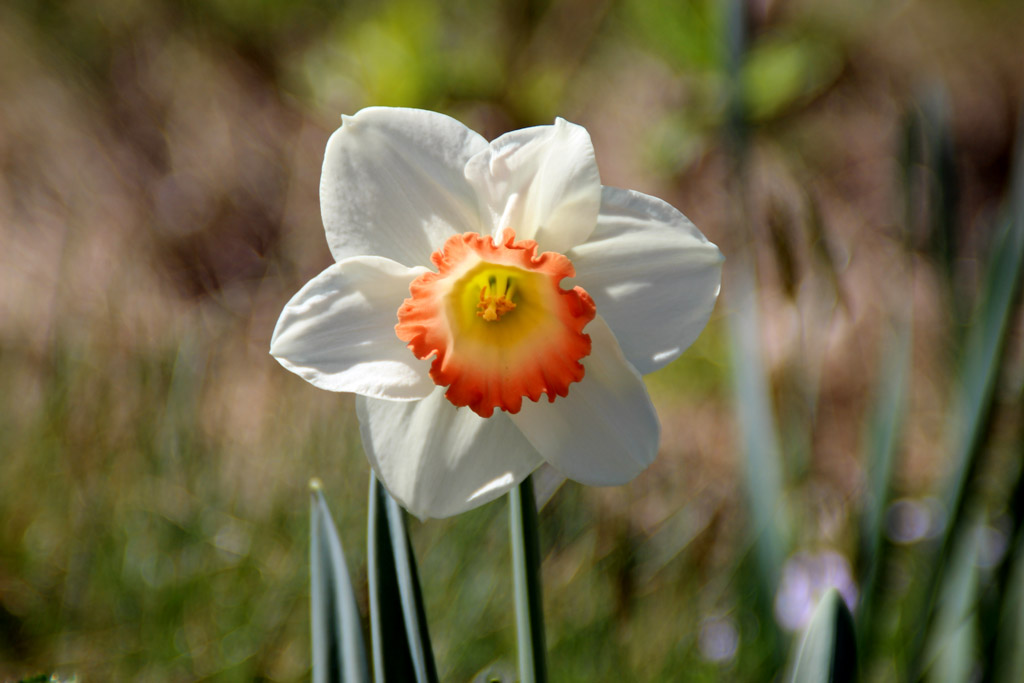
492, 306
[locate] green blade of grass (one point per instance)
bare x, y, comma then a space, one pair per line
339, 653
526, 575
1003, 622
1008, 664
987, 337
883, 439
398, 622
950, 651
972, 407
828, 650
982, 355
762, 469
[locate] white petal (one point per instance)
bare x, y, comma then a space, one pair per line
393, 184
438, 460
338, 332
605, 432
652, 274
542, 182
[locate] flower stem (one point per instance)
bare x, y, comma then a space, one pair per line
526, 574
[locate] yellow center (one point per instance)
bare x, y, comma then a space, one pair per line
496, 305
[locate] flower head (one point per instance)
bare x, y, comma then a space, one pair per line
497, 323
448, 306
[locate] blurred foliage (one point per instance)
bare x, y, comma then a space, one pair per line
158, 203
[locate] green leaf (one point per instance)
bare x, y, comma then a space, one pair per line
883, 439
984, 346
979, 371
685, 34
762, 468
783, 72
526, 574
339, 653
950, 653
828, 651
398, 622
1009, 659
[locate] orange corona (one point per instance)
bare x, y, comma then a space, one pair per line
497, 322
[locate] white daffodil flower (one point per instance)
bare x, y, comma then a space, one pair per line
446, 306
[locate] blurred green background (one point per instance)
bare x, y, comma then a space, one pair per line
158, 206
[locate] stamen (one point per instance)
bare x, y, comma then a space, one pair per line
492, 306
